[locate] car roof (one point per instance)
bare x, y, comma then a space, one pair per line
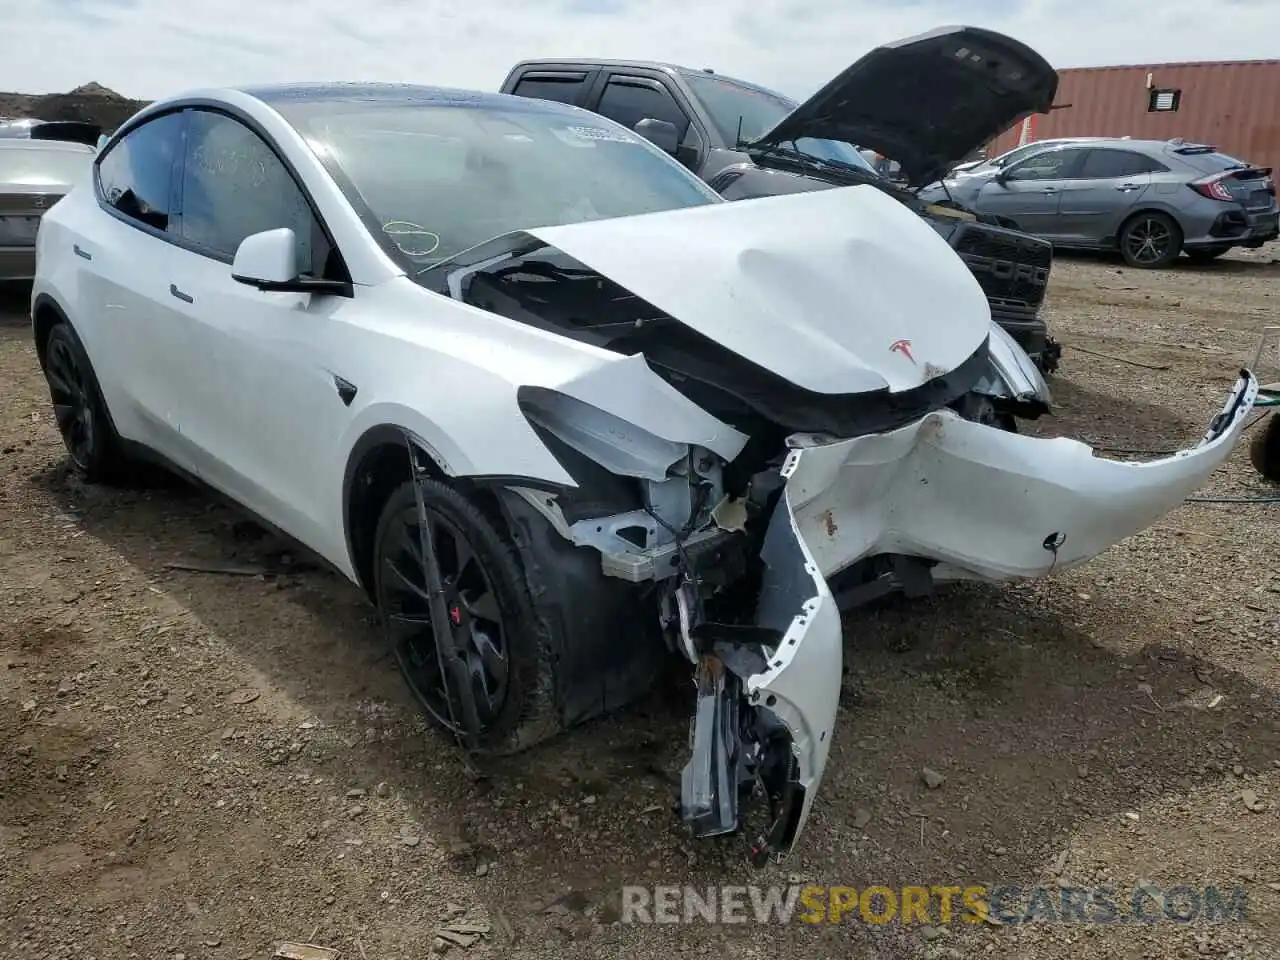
281, 93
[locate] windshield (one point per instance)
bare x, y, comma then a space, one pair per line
432, 179
733, 106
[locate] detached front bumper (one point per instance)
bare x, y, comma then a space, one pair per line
980, 502
988, 504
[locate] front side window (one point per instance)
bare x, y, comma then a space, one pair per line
431, 179
1050, 165
234, 185
629, 101
136, 174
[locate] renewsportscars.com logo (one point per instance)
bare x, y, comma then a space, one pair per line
933, 905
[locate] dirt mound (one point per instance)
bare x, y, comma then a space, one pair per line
90, 102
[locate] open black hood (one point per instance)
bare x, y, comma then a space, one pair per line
927, 101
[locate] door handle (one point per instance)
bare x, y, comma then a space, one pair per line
81, 252
1050, 189
184, 297
1126, 187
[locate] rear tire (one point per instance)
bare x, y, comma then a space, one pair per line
489, 605
1205, 254
1150, 240
79, 409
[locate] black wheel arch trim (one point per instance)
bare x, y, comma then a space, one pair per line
390, 434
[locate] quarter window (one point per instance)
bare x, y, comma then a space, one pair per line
136, 174
234, 185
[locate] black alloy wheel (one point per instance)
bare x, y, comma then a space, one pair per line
490, 617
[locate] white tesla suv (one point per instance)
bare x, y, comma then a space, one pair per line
561, 410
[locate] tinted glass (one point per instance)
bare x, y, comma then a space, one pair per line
732, 105
233, 185
629, 103
1105, 164
1050, 165
560, 89
1013, 156
136, 175
1211, 161
431, 179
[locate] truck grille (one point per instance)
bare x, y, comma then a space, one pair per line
1011, 267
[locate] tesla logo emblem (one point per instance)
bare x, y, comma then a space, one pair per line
903, 347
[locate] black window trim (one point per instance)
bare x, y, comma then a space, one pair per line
175, 189
582, 77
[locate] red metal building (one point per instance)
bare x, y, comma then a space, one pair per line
1234, 105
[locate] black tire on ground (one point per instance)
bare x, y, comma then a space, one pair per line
1205, 254
489, 604
1264, 450
1150, 240
80, 411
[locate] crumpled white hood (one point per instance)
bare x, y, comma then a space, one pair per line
838, 291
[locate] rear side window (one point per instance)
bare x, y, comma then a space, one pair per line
136, 174
1107, 164
628, 101
234, 185
562, 87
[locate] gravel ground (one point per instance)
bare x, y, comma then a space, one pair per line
196, 765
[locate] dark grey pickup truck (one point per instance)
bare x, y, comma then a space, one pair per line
927, 102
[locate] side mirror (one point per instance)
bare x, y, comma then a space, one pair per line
661, 133
269, 262
1001, 177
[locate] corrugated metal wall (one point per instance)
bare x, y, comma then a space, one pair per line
1234, 105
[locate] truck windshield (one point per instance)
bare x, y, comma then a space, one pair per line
742, 113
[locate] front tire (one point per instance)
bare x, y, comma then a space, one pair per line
1150, 240
79, 409
490, 611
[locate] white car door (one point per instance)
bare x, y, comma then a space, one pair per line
129, 323
264, 409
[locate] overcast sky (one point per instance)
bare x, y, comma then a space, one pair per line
151, 48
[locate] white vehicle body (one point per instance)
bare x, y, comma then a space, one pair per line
286, 388
34, 175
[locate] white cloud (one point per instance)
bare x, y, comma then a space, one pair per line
150, 48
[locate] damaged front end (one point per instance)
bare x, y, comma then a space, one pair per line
742, 443
707, 531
